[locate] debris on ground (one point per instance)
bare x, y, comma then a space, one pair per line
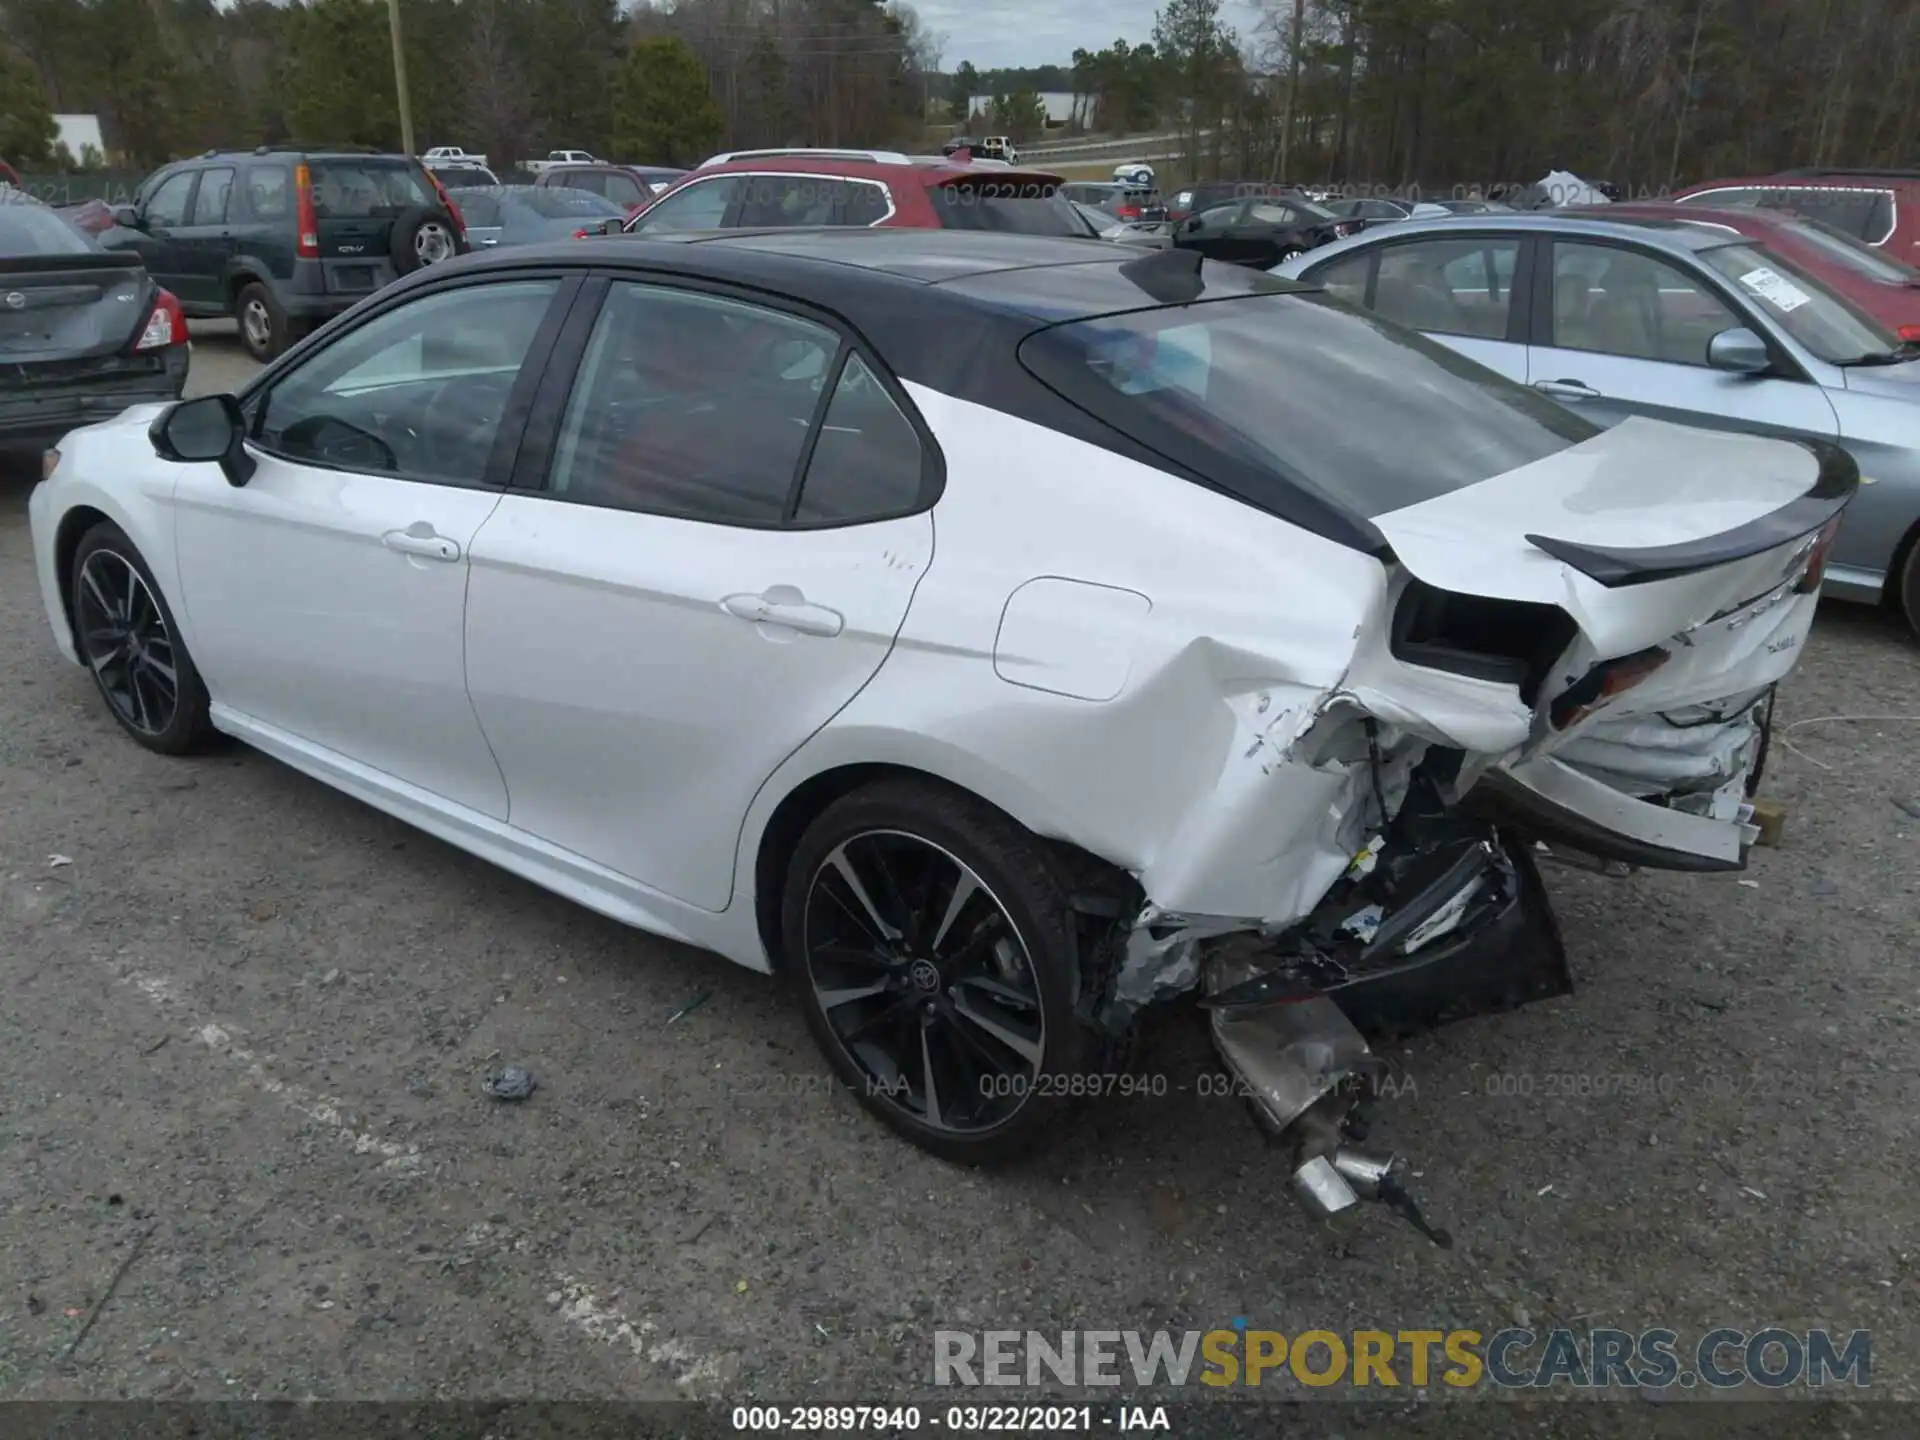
157, 1046
698, 1228
692, 1005
55, 862
508, 1082
1910, 804
133, 1254
1748, 884
35, 1305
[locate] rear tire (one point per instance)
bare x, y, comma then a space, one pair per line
126, 636
1909, 588
264, 330
975, 986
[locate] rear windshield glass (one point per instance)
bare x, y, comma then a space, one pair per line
1858, 257
561, 202
362, 189
28, 228
476, 207
1360, 413
1010, 206
453, 176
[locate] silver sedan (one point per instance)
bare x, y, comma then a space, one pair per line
1616, 317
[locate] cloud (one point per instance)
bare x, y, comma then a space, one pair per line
1003, 33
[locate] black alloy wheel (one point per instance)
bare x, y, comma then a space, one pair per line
932, 947
127, 639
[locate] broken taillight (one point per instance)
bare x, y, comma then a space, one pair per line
1603, 683
1816, 570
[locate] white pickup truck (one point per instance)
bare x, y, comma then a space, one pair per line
559, 157
452, 155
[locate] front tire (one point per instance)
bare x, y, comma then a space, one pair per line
931, 947
127, 638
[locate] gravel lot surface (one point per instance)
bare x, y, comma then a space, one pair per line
243, 1029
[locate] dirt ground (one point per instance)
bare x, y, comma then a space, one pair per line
243, 1020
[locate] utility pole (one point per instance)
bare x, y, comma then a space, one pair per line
400, 78
1293, 89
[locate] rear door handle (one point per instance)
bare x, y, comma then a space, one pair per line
419, 539
1566, 389
785, 606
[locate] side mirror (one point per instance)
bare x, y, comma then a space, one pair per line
616, 226
209, 429
1739, 352
126, 217
1192, 222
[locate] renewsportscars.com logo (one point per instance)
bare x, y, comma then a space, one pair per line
1773, 1358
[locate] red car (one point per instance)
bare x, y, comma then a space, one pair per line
1872, 279
781, 188
9, 175
1879, 207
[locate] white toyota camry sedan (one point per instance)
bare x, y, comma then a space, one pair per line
998, 636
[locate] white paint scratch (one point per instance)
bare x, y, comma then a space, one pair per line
602, 1322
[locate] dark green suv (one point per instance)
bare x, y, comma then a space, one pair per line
283, 238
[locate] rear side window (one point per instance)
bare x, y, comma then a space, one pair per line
868, 463
366, 189
692, 406
28, 228
1252, 392
785, 200
210, 201
266, 187
1007, 206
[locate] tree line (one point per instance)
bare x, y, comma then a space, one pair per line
1645, 93
509, 78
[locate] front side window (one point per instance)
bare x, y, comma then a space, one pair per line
1614, 301
1345, 278
416, 393
167, 206
623, 190
693, 406
1448, 287
210, 201
1266, 392
700, 206
867, 463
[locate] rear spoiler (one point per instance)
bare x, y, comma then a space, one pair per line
59, 264
1835, 486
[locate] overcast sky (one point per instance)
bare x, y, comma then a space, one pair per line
995, 33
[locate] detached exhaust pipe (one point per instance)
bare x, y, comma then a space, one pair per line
1305, 1065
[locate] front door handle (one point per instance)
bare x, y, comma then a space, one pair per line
785, 606
419, 539
1566, 389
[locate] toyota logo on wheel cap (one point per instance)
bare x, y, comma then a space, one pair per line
16, 301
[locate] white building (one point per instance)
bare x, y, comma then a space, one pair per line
79, 131
1063, 107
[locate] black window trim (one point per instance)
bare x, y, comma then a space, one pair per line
533, 466
257, 394
1540, 335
